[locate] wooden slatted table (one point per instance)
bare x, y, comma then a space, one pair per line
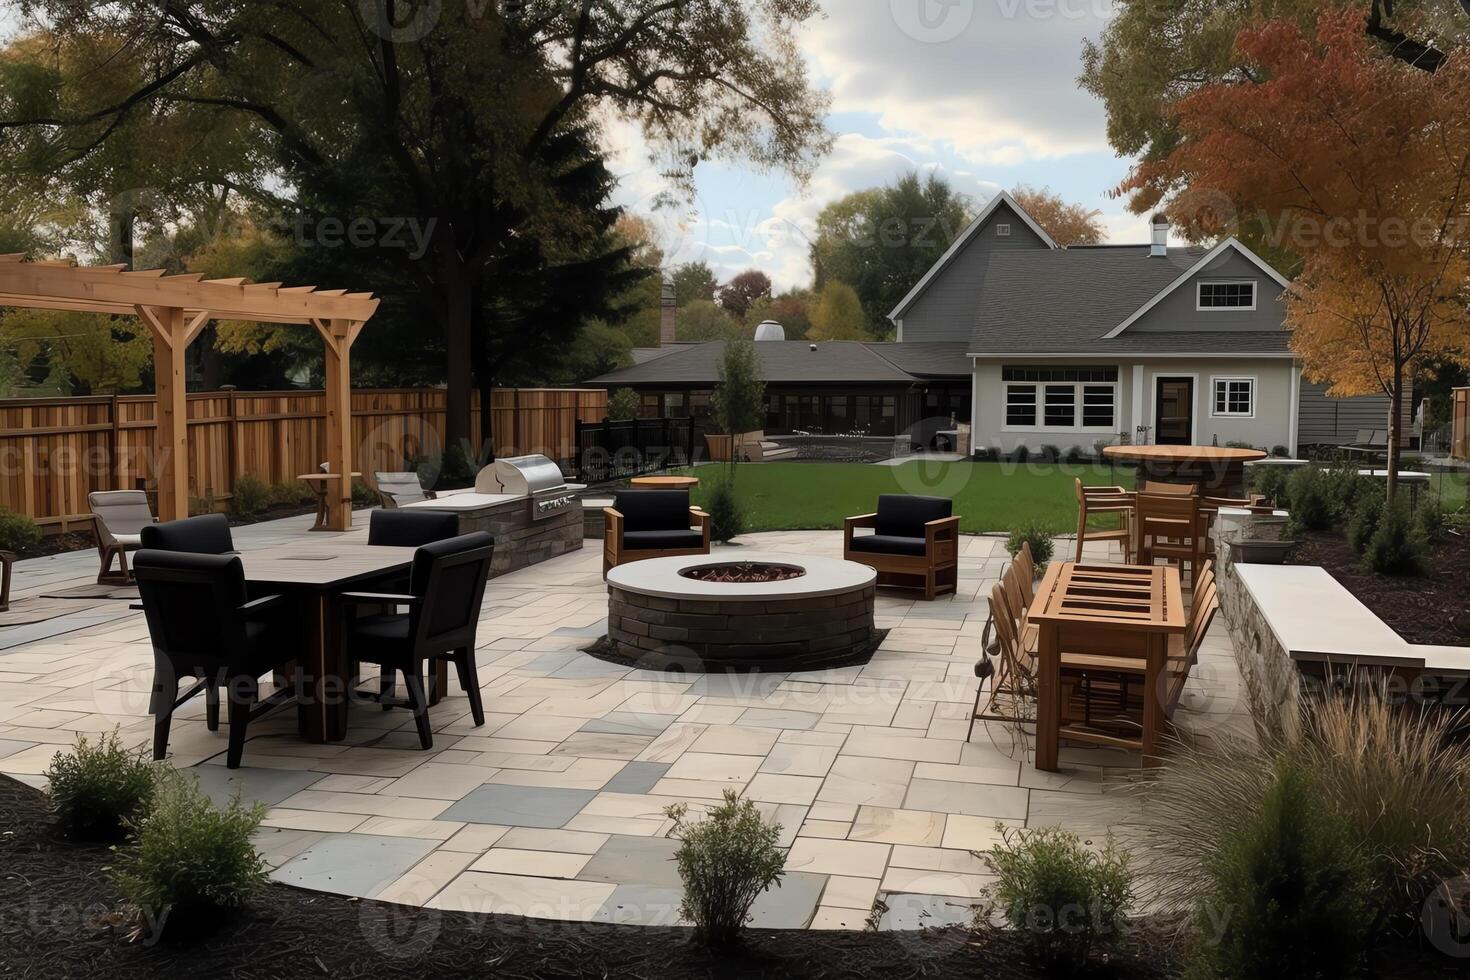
312, 573
1108, 610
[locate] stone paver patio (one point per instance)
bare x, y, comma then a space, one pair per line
555, 808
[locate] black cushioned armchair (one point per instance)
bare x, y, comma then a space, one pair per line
915, 543
643, 524
205, 535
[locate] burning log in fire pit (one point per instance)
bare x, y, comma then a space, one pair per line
743, 573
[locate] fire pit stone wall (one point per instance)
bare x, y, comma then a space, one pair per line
812, 621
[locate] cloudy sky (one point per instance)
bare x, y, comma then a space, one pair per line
982, 91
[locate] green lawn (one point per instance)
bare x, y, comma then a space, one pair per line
987, 496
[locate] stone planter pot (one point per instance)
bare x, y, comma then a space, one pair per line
1255, 551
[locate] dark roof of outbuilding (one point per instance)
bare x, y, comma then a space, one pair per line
781, 362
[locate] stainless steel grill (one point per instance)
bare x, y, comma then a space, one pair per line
534, 477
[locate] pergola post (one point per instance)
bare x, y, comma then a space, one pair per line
170, 340
337, 339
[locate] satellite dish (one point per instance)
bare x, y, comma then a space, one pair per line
770, 330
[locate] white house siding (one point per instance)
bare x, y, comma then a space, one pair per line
1270, 425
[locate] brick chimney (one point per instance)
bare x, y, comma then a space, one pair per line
668, 316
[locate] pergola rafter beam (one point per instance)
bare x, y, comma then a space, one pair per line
109, 289
176, 310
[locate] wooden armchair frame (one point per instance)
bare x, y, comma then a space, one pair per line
615, 554
937, 567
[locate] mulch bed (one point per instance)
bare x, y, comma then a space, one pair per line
58, 919
1432, 608
60, 916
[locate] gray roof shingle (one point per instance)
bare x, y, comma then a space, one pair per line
1067, 301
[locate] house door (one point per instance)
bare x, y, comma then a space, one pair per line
1174, 412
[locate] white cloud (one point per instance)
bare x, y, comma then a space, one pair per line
995, 79
968, 88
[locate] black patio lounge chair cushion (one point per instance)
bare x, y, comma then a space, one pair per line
663, 540
889, 544
206, 535
653, 510
410, 529
904, 516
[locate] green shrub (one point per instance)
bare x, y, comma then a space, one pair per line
1065, 899
1311, 501
1290, 892
190, 859
363, 495
1347, 489
727, 517
1039, 536
293, 492
1366, 516
1431, 519
727, 861
99, 787
1049, 454
250, 496
1399, 545
1270, 482
623, 405
17, 531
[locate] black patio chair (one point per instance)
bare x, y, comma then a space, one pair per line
446, 588
915, 544
409, 528
202, 626
205, 535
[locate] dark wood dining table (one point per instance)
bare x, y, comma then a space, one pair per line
312, 574
1104, 610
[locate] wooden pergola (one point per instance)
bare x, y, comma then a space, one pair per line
176, 309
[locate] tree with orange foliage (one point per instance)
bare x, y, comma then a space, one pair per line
1066, 223
1358, 163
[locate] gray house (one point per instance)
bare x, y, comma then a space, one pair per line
1085, 345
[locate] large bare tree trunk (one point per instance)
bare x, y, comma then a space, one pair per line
458, 324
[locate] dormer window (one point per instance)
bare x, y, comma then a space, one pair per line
1002, 231
1233, 294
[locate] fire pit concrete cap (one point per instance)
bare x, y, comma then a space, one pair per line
662, 577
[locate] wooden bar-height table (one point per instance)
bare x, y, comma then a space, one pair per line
1104, 610
311, 574
1216, 470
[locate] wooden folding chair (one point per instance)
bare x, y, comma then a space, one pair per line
1088, 681
1184, 649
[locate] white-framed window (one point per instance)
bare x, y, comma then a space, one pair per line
1227, 294
1234, 397
1042, 398
1003, 231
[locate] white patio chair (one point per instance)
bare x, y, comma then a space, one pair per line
397, 489
118, 519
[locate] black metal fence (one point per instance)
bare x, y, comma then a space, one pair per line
610, 450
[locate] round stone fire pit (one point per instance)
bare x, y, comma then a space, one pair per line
764, 611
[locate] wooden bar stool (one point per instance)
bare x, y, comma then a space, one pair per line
1169, 527
1105, 500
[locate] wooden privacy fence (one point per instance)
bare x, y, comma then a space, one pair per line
54, 451
1460, 440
